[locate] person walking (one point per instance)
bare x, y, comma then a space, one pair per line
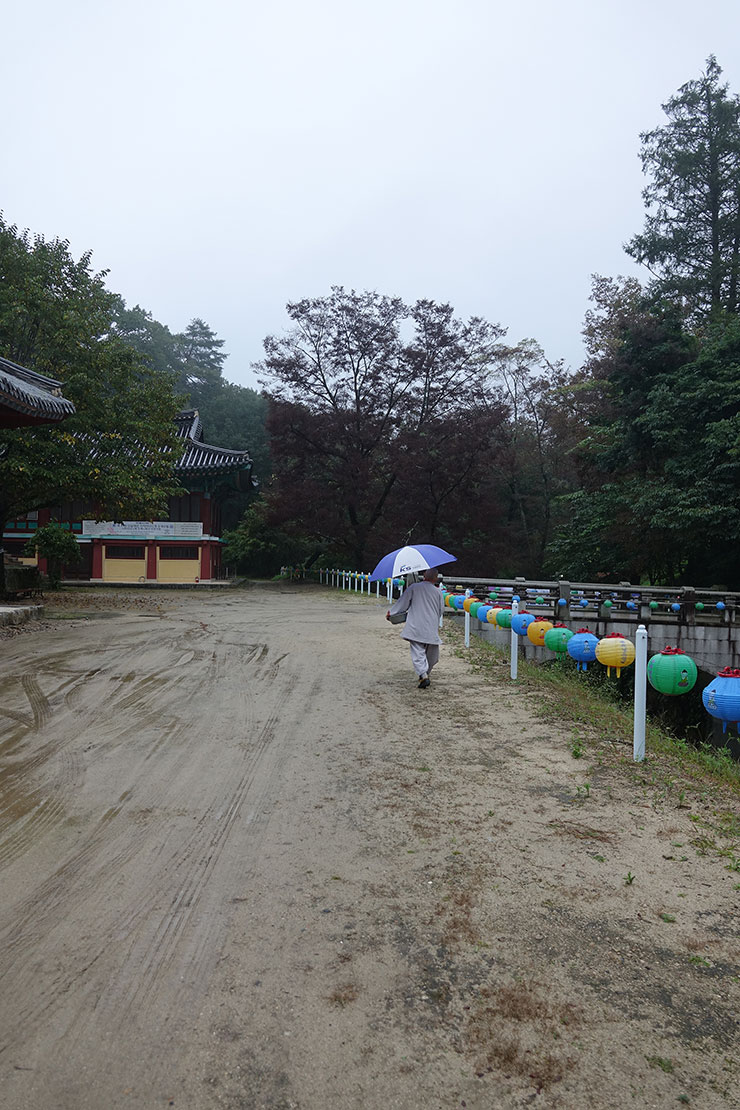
423, 603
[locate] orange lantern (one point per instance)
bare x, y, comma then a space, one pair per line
536, 632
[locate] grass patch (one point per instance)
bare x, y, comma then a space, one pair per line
565, 697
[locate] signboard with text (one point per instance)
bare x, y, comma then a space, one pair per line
144, 529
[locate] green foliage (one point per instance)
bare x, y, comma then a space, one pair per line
691, 240
56, 544
663, 459
258, 548
57, 317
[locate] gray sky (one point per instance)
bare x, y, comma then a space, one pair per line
223, 158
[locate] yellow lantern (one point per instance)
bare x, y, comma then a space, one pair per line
536, 632
491, 614
468, 602
615, 651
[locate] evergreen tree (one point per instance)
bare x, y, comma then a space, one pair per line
691, 238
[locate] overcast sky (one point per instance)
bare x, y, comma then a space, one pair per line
223, 158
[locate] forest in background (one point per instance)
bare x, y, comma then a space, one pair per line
381, 421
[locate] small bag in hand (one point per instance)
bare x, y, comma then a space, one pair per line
397, 618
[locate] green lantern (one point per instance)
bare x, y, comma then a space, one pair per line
699, 606
556, 639
539, 600
474, 607
653, 605
503, 618
672, 672
608, 604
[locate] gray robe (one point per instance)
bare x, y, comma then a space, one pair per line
424, 603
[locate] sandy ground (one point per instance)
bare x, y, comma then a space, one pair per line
245, 863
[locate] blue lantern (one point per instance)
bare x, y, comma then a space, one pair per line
583, 603
721, 605
562, 602
483, 611
722, 697
582, 648
521, 622
631, 605
675, 607
458, 601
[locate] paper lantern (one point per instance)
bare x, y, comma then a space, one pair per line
458, 601
556, 638
482, 612
720, 606
539, 600
615, 651
675, 607
671, 672
521, 621
475, 607
631, 605
699, 606
562, 602
653, 605
536, 632
493, 613
467, 602
583, 603
722, 697
503, 618
582, 648
608, 604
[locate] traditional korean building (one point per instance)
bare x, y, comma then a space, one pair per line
183, 549
28, 398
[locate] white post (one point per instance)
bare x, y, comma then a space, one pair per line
514, 643
389, 591
638, 735
467, 622
356, 577
377, 589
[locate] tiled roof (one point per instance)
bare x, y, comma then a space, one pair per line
202, 458
33, 396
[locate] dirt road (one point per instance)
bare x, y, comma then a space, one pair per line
245, 863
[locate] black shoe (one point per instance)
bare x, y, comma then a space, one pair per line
424, 682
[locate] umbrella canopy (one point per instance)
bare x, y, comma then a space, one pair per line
407, 560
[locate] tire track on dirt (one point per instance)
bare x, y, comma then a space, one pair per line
89, 867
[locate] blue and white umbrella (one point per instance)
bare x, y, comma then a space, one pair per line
407, 560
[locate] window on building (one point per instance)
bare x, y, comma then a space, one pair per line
178, 552
124, 551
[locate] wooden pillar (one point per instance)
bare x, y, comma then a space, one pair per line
151, 562
97, 559
205, 562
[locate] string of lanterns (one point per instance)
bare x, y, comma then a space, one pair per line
670, 672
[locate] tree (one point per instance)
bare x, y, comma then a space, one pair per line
58, 546
257, 547
201, 360
360, 391
691, 239
119, 450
